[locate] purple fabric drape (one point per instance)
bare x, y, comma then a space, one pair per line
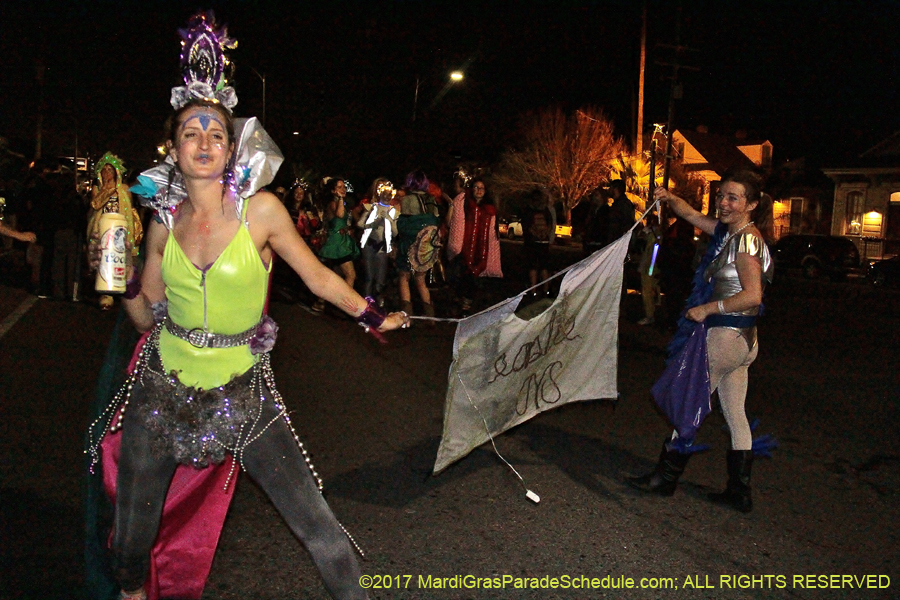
682, 391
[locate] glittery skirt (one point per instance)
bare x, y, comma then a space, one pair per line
195, 426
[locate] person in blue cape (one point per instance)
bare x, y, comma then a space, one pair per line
727, 299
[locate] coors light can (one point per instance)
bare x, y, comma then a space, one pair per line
113, 266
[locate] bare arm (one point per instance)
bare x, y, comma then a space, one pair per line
340, 207
22, 236
686, 211
153, 289
272, 221
749, 271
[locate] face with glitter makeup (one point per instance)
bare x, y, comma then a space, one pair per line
201, 142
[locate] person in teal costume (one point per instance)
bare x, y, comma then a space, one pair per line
340, 249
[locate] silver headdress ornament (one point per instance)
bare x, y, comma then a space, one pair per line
204, 65
463, 175
256, 157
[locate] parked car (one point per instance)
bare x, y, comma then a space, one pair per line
834, 256
513, 228
884, 273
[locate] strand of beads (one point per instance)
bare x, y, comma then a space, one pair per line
121, 399
279, 402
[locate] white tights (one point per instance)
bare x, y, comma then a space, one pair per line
729, 358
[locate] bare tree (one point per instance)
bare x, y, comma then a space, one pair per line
569, 156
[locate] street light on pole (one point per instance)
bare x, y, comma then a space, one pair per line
455, 77
263, 79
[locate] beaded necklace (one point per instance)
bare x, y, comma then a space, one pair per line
731, 235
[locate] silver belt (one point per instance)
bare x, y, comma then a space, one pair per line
204, 339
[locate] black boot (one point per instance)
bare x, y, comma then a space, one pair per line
663, 479
737, 493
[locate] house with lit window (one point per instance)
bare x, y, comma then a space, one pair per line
802, 196
706, 156
867, 199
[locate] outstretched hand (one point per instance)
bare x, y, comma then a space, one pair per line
395, 320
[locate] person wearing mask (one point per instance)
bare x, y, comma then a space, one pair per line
378, 222
419, 216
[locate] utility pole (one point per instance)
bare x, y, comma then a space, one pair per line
639, 129
263, 79
676, 92
39, 68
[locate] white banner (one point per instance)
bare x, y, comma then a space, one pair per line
506, 370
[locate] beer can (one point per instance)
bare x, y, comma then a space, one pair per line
113, 266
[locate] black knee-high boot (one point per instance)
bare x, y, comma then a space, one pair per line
737, 492
663, 479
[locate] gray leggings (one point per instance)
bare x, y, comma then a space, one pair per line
273, 461
376, 269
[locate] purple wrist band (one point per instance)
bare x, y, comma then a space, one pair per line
132, 287
371, 316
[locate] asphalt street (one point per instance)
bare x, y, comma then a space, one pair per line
826, 385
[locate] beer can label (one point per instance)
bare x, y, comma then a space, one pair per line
113, 265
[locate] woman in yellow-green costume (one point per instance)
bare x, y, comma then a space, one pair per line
202, 390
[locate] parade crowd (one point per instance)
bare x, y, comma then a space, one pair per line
383, 241
199, 401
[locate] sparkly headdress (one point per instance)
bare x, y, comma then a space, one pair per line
204, 64
463, 175
112, 160
256, 158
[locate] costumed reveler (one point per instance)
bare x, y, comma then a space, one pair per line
718, 326
378, 223
473, 237
417, 240
111, 195
340, 248
200, 401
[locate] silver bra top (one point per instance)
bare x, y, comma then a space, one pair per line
723, 268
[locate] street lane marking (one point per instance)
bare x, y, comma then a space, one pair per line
17, 314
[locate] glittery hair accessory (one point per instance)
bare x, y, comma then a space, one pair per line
256, 161
204, 64
463, 176
256, 157
112, 160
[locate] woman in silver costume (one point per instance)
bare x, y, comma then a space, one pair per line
738, 272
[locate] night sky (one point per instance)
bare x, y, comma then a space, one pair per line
818, 79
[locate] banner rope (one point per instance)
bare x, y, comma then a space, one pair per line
528, 493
